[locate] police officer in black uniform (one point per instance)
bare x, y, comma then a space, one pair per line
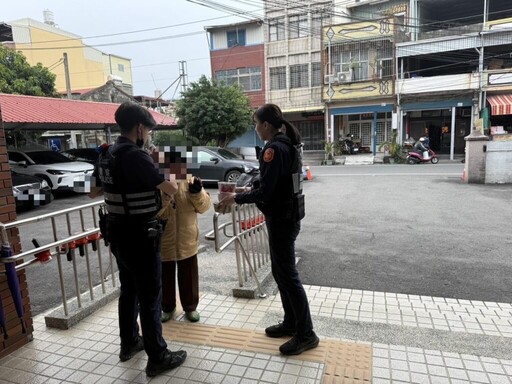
279, 197
131, 187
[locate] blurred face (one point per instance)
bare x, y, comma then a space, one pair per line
263, 129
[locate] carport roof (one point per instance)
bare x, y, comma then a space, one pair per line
32, 112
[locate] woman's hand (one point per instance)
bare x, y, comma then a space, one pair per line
227, 201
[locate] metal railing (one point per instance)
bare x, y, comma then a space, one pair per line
79, 234
248, 233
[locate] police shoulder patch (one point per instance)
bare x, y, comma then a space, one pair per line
268, 156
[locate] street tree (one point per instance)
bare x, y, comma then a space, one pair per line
214, 113
19, 77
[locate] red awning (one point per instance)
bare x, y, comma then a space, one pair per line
500, 104
32, 112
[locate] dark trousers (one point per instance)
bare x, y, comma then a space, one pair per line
282, 234
188, 284
139, 263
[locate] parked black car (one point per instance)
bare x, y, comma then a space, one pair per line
89, 155
218, 164
30, 191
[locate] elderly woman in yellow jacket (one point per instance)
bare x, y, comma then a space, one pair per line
180, 242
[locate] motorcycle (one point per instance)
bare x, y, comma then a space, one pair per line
417, 158
349, 146
248, 180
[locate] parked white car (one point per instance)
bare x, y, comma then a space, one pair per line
58, 171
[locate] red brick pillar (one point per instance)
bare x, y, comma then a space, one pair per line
16, 338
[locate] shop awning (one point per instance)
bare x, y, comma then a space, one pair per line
500, 104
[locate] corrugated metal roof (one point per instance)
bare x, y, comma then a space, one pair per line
32, 112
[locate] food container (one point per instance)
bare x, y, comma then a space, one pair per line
226, 188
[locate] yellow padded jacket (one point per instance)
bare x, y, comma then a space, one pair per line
180, 238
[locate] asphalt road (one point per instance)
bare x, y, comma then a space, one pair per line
407, 229
414, 229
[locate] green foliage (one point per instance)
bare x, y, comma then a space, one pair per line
214, 114
17, 76
396, 151
20, 138
329, 150
161, 138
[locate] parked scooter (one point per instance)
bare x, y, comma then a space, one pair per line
416, 158
349, 146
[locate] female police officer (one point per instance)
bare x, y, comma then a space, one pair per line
131, 186
279, 163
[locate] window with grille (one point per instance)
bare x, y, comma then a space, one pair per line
316, 74
236, 37
299, 76
381, 132
318, 20
385, 61
277, 78
120, 67
248, 78
276, 29
312, 133
362, 130
357, 61
366, 133
298, 26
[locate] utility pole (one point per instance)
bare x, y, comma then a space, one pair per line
66, 73
481, 56
183, 76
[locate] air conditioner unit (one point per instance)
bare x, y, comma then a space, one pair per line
343, 77
328, 79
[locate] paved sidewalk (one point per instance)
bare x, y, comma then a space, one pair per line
365, 337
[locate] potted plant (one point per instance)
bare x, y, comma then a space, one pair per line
329, 153
393, 150
353, 65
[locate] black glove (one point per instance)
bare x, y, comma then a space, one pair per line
196, 186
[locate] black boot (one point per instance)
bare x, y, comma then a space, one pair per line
169, 361
298, 344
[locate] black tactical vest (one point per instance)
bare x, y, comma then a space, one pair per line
122, 198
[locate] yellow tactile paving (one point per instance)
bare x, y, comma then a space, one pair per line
345, 362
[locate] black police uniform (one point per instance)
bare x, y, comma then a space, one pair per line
129, 179
274, 197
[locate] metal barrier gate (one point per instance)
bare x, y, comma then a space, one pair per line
68, 244
249, 234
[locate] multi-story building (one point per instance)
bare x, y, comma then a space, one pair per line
358, 86
237, 57
45, 43
293, 54
458, 60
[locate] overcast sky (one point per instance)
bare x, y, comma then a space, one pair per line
179, 32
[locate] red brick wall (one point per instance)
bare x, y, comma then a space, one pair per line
16, 338
242, 57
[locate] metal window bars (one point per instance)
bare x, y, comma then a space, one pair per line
250, 237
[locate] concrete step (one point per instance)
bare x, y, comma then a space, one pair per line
359, 159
